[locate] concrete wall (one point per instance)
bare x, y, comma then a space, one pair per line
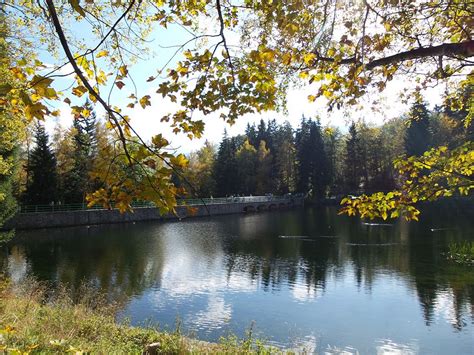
90, 217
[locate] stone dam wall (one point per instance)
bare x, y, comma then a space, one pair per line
103, 216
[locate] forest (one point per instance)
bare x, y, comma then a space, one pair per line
231, 60
269, 158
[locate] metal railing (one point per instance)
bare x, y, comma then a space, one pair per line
148, 204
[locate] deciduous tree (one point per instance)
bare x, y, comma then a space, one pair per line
344, 49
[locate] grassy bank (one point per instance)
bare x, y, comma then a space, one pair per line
35, 320
461, 252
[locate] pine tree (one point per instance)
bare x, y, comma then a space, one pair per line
418, 135
41, 187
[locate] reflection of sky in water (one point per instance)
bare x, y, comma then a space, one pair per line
17, 264
220, 276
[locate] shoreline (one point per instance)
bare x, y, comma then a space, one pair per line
34, 321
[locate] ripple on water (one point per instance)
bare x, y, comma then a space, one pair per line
377, 224
307, 238
371, 244
293, 236
388, 346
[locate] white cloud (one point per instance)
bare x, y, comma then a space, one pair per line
217, 314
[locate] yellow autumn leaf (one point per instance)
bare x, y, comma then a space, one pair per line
286, 58
179, 161
79, 90
308, 58
102, 53
145, 101
123, 70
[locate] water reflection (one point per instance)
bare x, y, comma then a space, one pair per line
308, 277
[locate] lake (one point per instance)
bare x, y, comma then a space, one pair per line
302, 278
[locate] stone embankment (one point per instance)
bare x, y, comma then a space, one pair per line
32, 220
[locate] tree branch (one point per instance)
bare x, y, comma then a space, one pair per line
224, 42
77, 70
463, 50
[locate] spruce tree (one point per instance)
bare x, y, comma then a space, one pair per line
226, 173
352, 166
418, 135
303, 154
313, 165
251, 134
77, 182
285, 159
320, 168
41, 187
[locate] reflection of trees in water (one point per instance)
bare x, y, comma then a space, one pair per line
271, 260
120, 260
409, 250
441, 286
128, 259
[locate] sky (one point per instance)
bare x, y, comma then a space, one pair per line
147, 121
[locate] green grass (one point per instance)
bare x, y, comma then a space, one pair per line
462, 252
36, 320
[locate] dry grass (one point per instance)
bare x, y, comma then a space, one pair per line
35, 320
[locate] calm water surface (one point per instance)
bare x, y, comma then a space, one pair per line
305, 278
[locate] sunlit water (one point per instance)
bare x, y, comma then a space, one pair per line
304, 278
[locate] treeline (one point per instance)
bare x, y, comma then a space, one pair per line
319, 161
60, 169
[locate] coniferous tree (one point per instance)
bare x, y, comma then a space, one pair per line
313, 167
320, 168
262, 133
331, 143
251, 134
352, 159
225, 171
303, 154
285, 159
263, 171
41, 187
418, 135
78, 182
271, 144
